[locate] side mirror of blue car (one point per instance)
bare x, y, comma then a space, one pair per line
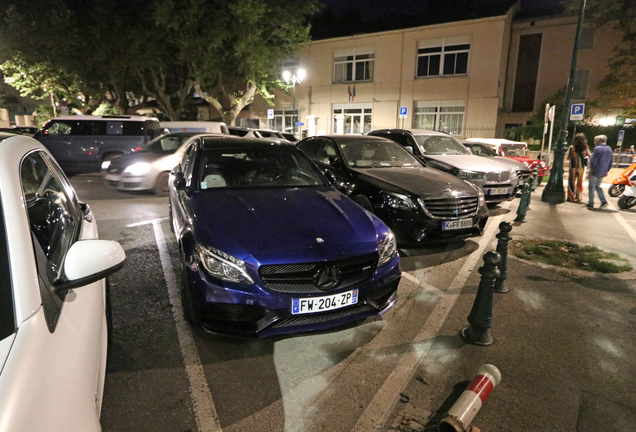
179, 181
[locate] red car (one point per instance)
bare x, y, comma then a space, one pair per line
515, 150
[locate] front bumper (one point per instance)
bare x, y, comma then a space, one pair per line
255, 311
127, 182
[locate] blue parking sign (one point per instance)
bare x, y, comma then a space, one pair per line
403, 112
577, 111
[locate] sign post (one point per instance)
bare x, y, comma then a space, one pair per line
402, 114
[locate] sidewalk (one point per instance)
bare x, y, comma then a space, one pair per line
565, 340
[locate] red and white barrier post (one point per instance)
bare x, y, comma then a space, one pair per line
469, 403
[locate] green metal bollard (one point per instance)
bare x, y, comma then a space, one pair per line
502, 250
480, 317
535, 177
523, 204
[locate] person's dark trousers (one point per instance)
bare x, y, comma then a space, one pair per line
595, 184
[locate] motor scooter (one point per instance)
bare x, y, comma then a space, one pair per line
623, 180
628, 200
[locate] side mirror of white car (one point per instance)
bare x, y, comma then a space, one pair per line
88, 261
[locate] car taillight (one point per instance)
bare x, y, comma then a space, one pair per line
137, 149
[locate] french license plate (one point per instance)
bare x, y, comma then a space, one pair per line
457, 224
323, 304
498, 191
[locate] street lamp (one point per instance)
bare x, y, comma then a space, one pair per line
295, 78
554, 192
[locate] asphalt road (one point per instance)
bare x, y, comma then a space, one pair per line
164, 377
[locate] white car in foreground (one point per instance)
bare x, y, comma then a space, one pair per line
53, 297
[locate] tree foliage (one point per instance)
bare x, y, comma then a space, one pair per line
235, 49
621, 81
228, 51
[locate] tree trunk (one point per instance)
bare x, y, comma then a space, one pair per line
236, 103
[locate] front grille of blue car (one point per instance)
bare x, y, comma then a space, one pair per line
301, 278
323, 317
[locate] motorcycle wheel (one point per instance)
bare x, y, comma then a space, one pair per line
616, 189
626, 202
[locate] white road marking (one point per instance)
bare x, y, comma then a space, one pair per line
147, 222
426, 286
621, 220
204, 410
378, 411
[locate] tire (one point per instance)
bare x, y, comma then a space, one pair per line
364, 202
161, 186
626, 202
616, 190
190, 311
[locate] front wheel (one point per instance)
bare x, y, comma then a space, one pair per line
161, 186
616, 189
190, 308
364, 202
626, 202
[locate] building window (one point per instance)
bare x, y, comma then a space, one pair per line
581, 79
353, 65
444, 116
527, 72
283, 120
358, 117
587, 38
446, 57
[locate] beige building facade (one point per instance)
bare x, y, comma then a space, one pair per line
539, 65
449, 77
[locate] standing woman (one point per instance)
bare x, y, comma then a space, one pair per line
577, 154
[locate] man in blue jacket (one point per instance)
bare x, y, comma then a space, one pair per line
600, 164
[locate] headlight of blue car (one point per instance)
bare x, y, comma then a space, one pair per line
387, 249
222, 266
399, 201
470, 175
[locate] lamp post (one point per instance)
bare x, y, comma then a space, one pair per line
554, 192
294, 78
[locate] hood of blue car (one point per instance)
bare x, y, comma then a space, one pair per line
260, 222
417, 181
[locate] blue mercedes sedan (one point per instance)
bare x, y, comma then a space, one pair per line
267, 245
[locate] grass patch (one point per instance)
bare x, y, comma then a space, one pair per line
568, 254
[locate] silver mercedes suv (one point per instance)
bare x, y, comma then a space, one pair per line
444, 152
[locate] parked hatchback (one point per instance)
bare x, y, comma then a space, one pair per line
444, 152
268, 246
419, 204
54, 299
148, 169
82, 143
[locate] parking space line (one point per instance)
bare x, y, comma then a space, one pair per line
203, 406
379, 409
621, 220
424, 285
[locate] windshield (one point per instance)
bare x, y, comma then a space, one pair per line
514, 150
481, 150
440, 145
167, 144
376, 154
257, 168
